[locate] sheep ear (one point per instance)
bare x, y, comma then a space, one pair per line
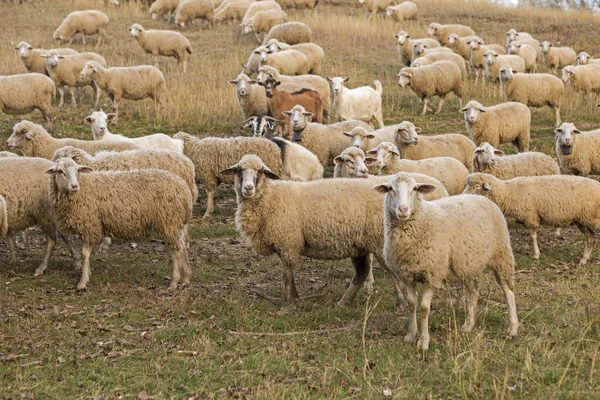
84, 169
464, 109
346, 79
328, 78
396, 36
260, 83
482, 109
232, 82
307, 114
252, 81
286, 113
231, 170
87, 120
575, 131
52, 170
425, 188
417, 129
370, 136
338, 160
270, 174
349, 134
396, 152
61, 57
478, 150
498, 152
111, 116
244, 67
370, 160
372, 151
29, 135
486, 186
382, 189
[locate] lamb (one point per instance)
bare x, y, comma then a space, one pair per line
261, 6
437, 79
584, 58
513, 35
362, 103
503, 123
287, 62
556, 200
366, 140
533, 90
442, 56
414, 147
557, 57
585, 78
234, 11
66, 71
130, 83
406, 10
189, 10
124, 204
441, 32
163, 43
34, 141
310, 4
167, 7
406, 44
290, 32
578, 152
89, 22
449, 171
494, 61
262, 22
487, 159
23, 93
455, 237
527, 53
375, 6
478, 50
313, 52
31, 59
129, 160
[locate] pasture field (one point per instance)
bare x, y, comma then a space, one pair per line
126, 337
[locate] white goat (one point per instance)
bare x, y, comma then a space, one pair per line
363, 103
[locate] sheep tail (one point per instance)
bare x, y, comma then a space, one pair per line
283, 147
189, 49
378, 87
3, 218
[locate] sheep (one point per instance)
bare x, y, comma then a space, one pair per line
89, 22
362, 103
23, 93
314, 82
310, 4
34, 141
527, 53
375, 6
129, 160
556, 200
301, 164
557, 57
98, 120
167, 7
189, 10
455, 237
533, 90
366, 140
478, 49
124, 204
494, 61
421, 50
460, 45
290, 32
487, 159
287, 62
31, 59
585, 78
234, 11
253, 63
261, 6
441, 32
24, 187
415, 147
513, 35
584, 58
406, 44
130, 83
442, 56
533, 43
406, 10
313, 52
578, 152
449, 171
503, 123
66, 71
262, 22
437, 79
163, 43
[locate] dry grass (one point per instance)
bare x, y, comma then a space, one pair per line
126, 338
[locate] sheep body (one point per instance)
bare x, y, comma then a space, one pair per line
495, 61
261, 6
313, 52
32, 58
406, 10
557, 57
430, 58
234, 11
492, 161
163, 43
310, 4
478, 50
513, 35
585, 78
406, 44
89, 22
189, 10
290, 32
460, 45
583, 58
23, 93
163, 7
441, 32
375, 6
288, 62
578, 152
262, 22
527, 53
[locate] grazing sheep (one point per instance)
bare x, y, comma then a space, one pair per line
503, 123
99, 123
430, 58
124, 204
437, 79
578, 152
494, 61
406, 10
533, 90
406, 44
166, 7
262, 22
375, 6
487, 159
557, 57
455, 237
232, 11
290, 32
31, 59
287, 62
261, 6
129, 83
66, 71
441, 32
527, 53
310, 4
584, 58
366, 140
449, 171
89, 22
362, 103
556, 200
189, 10
513, 35
585, 78
414, 147
313, 52
478, 50
163, 43
34, 141
23, 93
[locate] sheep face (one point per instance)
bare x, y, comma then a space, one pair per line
402, 195
58, 38
242, 84
406, 133
389, 11
546, 47
52, 58
337, 84
402, 37
98, 120
263, 53
565, 136
512, 49
261, 126
22, 134
265, 72
476, 42
419, 48
472, 111
490, 57
351, 164
433, 28
136, 30
567, 73
385, 152
90, 68
247, 28
249, 176
64, 175
299, 118
485, 156
481, 184
24, 49
404, 78
452, 40
359, 137
583, 58
507, 73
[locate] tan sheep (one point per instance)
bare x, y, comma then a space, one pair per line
527, 53
89, 22
261, 6
460, 45
407, 10
584, 78
313, 52
557, 57
232, 11
490, 160
163, 43
441, 32
31, 59
406, 44
478, 49
262, 22
420, 50
189, 10
309, 4
166, 7
430, 58
495, 61
578, 152
287, 62
513, 35
290, 32
584, 58
23, 93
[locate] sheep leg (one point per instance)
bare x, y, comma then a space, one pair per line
411, 300
83, 38
61, 92
472, 295
115, 101
440, 105
536, 249
185, 261
210, 203
86, 252
99, 41
423, 342
557, 112
106, 242
290, 293
362, 269
155, 56
73, 92
589, 244
50, 242
425, 101
72, 250
96, 94
24, 241
176, 259
12, 245
509, 295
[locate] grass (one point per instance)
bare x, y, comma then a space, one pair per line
224, 337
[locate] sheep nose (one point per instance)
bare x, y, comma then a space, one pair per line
74, 187
471, 119
364, 171
355, 145
248, 187
242, 92
403, 210
378, 163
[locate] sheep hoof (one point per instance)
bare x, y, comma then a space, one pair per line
423, 343
81, 286
287, 309
38, 272
466, 328
536, 256
369, 287
410, 338
341, 304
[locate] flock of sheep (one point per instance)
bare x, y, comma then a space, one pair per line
428, 208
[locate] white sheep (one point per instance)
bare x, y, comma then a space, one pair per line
287, 62
89, 22
513, 35
490, 160
495, 61
578, 152
457, 237
366, 140
557, 57
441, 32
437, 79
527, 53
478, 50
163, 43
129, 83
406, 44
290, 32
460, 45
189, 10
533, 43
313, 52
584, 58
362, 103
503, 123
585, 78
375, 6
407, 10
232, 11
420, 50
31, 59
261, 6
23, 93
262, 22
166, 7
432, 57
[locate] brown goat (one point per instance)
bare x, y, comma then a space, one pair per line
281, 102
